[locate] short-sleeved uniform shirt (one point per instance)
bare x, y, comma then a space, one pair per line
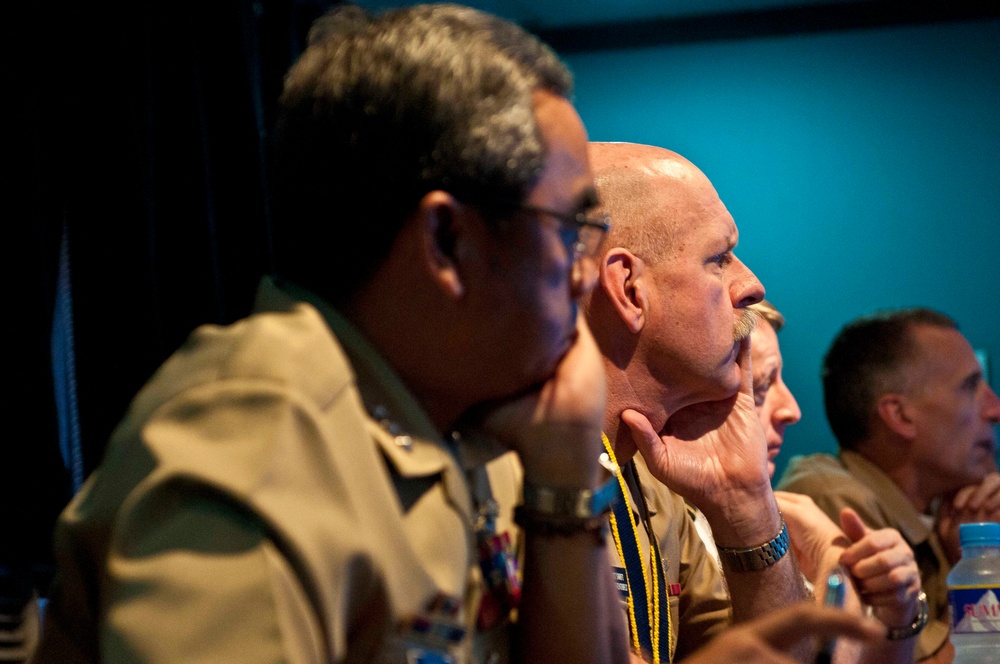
850, 480
276, 494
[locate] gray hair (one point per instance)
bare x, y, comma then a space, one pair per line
381, 109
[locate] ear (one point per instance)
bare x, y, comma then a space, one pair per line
893, 409
621, 273
441, 222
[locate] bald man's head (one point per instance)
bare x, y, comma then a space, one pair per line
647, 191
670, 310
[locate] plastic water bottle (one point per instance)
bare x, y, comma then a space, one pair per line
973, 591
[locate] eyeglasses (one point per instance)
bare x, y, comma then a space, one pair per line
581, 233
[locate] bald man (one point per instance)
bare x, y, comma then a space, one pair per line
670, 316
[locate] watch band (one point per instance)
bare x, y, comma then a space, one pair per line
550, 510
571, 503
561, 502
542, 524
914, 628
757, 558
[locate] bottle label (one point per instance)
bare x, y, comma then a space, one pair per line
974, 609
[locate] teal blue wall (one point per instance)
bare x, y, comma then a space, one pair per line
863, 170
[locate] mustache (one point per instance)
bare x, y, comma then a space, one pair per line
745, 325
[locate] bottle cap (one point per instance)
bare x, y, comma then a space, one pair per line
979, 534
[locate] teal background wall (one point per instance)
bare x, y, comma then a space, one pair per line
862, 167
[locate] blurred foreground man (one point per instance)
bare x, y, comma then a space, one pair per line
327, 480
915, 422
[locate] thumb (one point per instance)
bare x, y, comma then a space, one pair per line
852, 525
642, 431
647, 441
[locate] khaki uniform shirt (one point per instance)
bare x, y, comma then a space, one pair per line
702, 608
852, 481
250, 508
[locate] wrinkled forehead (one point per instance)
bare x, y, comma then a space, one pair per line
764, 344
700, 219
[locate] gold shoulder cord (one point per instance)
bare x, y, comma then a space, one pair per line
652, 596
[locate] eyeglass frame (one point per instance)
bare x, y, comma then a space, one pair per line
578, 224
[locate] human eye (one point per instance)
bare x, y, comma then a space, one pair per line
971, 383
723, 259
760, 391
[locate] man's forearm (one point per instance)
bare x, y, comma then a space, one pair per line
756, 592
569, 610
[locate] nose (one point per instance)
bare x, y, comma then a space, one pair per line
583, 276
745, 288
991, 405
787, 411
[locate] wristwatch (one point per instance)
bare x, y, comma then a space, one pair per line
565, 503
757, 558
915, 627
566, 511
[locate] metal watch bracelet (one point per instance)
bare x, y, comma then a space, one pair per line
757, 558
914, 628
565, 503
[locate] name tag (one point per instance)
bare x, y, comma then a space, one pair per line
621, 581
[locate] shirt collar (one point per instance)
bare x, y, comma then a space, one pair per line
403, 430
909, 521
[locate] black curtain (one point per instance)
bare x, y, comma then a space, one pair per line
137, 166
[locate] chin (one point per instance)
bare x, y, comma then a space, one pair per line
709, 386
725, 382
984, 456
983, 468
723, 392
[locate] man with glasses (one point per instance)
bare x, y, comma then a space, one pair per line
337, 477
334, 477
581, 233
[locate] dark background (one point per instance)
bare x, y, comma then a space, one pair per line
138, 145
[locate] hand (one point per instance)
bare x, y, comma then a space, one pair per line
556, 426
970, 504
714, 454
817, 542
770, 638
883, 569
